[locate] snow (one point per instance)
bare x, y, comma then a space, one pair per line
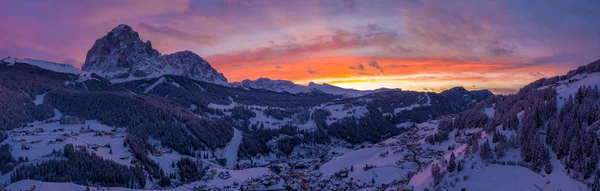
219, 106
407, 108
566, 88
10, 61
151, 87
232, 104
520, 115
62, 68
339, 111
490, 111
268, 122
167, 159
41, 146
386, 169
496, 177
39, 99
232, 148
53, 186
46, 186
415, 105
428, 100
176, 84
290, 87
483, 176
405, 125
238, 176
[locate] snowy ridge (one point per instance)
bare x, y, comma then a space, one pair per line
291, 87
62, 68
56, 67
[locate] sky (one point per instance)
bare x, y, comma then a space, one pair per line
422, 45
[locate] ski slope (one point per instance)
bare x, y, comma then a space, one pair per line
232, 148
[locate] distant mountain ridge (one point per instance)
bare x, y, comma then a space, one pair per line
121, 56
291, 87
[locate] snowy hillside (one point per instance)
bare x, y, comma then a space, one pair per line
76, 74
567, 88
62, 68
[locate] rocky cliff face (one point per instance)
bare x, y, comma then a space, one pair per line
122, 56
190, 65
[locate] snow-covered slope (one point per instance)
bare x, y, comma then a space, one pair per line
569, 87
122, 56
291, 87
495, 177
62, 68
79, 76
66, 186
233, 148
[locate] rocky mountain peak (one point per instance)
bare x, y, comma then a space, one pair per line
123, 30
121, 56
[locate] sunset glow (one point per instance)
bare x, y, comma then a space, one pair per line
415, 45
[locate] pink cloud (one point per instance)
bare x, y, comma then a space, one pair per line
103, 11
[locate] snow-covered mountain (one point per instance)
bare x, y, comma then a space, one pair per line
272, 85
122, 56
291, 87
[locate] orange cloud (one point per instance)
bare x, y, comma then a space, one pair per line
419, 45
415, 74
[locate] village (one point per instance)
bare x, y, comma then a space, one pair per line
311, 166
405, 154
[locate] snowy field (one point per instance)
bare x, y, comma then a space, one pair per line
501, 177
41, 139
